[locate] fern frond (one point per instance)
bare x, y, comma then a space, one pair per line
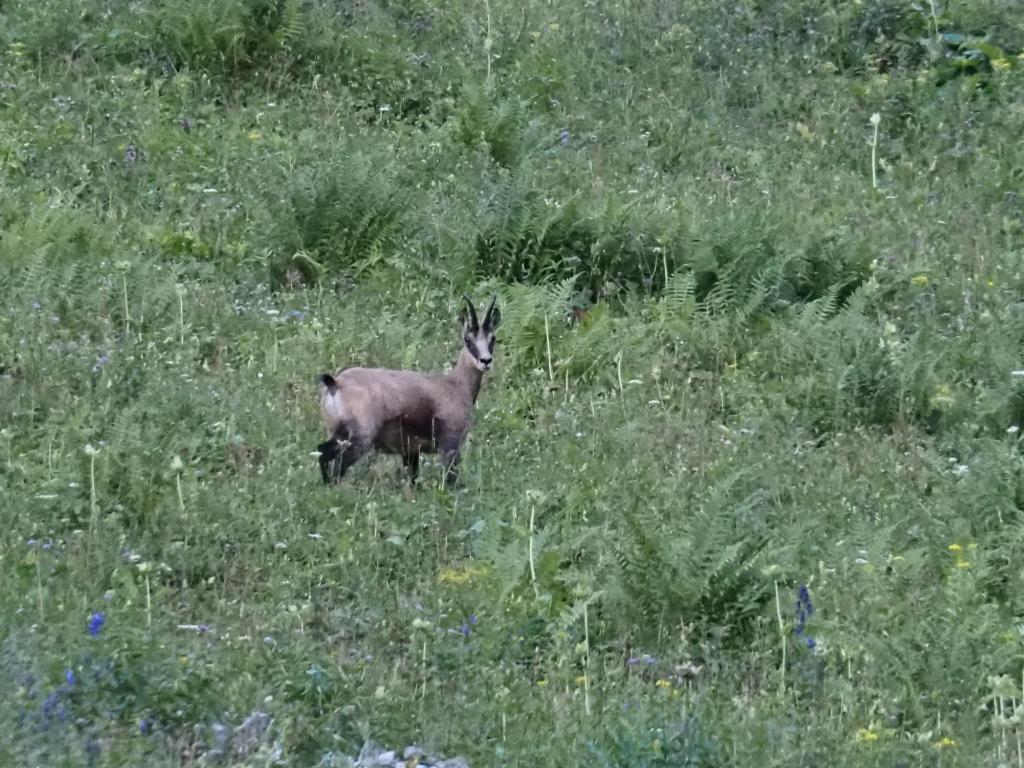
292, 24
678, 297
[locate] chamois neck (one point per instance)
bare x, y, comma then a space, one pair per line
467, 374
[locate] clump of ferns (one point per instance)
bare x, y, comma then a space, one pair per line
703, 566
348, 214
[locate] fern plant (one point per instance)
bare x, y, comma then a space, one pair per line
497, 126
348, 214
229, 36
697, 566
528, 235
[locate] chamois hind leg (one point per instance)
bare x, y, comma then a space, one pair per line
353, 452
329, 451
332, 454
411, 462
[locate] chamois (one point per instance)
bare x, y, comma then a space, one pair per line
406, 412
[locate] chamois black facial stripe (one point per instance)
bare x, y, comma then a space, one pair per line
471, 347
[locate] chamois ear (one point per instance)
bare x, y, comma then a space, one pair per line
467, 317
327, 381
493, 317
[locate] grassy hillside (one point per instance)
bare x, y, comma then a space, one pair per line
745, 485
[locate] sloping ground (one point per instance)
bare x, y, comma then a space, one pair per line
745, 483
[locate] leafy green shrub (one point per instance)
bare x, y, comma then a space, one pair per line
646, 741
409, 81
57, 29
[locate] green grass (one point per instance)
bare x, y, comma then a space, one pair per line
729, 368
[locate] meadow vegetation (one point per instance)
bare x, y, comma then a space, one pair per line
745, 485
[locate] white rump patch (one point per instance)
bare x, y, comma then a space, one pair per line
332, 405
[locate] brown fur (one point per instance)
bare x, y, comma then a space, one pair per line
405, 412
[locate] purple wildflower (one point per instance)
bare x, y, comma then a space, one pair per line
51, 703
69, 677
644, 658
804, 610
564, 138
96, 622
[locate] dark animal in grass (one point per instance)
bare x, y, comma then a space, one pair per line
406, 412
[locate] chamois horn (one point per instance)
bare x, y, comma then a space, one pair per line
472, 311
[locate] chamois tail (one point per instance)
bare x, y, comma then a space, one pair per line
332, 404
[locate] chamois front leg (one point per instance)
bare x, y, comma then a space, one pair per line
449, 450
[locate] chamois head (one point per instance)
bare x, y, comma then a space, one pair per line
479, 337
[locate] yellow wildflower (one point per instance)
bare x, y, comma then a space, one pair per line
867, 734
461, 576
955, 548
1000, 65
581, 680
943, 396
663, 683
963, 563
255, 135
554, 26
919, 280
945, 742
